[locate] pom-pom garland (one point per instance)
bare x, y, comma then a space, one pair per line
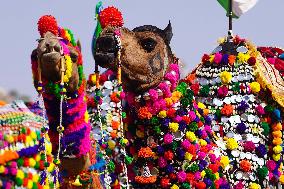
111, 16
47, 23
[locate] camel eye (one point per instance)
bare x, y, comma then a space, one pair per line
148, 44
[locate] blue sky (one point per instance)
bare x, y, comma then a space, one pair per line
196, 26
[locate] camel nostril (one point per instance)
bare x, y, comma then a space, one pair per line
106, 44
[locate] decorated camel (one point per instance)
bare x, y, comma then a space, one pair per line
239, 88
153, 132
58, 77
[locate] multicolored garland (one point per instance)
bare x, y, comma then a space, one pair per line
25, 154
242, 116
67, 113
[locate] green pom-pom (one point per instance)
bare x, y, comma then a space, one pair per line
193, 168
111, 166
236, 87
268, 108
189, 94
157, 129
34, 186
108, 151
128, 160
185, 185
182, 87
46, 164
218, 114
42, 157
20, 162
174, 145
123, 114
19, 182
266, 128
185, 102
204, 91
154, 120
23, 131
193, 126
262, 172
36, 165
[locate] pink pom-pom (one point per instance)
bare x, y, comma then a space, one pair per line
168, 138
162, 162
185, 144
217, 58
181, 176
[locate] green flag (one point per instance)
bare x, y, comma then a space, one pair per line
239, 7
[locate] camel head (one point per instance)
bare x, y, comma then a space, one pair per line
56, 50
145, 54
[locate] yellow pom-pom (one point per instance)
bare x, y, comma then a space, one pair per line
255, 87
111, 144
33, 135
281, 179
20, 174
173, 127
10, 139
37, 158
48, 148
77, 182
28, 140
51, 167
86, 117
162, 114
225, 77
202, 142
35, 178
169, 102
203, 173
39, 88
277, 149
254, 186
211, 59
32, 162
232, 144
30, 184
201, 105
93, 78
276, 157
176, 96
224, 161
2, 169
188, 156
217, 176
190, 136
174, 186
243, 57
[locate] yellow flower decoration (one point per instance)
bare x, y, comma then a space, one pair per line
232, 144
254, 186
255, 87
243, 57
86, 117
2, 169
173, 127
225, 77
224, 161
68, 71
20, 174
30, 184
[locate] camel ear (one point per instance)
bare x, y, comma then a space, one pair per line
73, 54
168, 32
79, 45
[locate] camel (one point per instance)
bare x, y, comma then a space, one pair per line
166, 134
58, 75
234, 82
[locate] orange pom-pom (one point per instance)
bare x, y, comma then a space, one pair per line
47, 23
111, 16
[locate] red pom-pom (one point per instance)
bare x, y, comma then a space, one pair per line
47, 23
111, 16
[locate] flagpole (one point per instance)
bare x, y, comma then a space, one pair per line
230, 12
